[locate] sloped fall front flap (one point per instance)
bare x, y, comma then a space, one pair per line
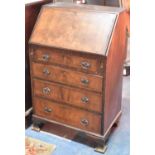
74, 29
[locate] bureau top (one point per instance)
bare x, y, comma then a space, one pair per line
84, 6
84, 28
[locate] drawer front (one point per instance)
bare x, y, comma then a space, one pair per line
77, 97
65, 76
92, 64
67, 115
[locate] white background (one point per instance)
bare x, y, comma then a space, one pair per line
12, 77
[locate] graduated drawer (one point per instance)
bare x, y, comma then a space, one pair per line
73, 96
67, 115
82, 62
67, 76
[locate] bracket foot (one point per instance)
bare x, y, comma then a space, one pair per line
101, 148
37, 126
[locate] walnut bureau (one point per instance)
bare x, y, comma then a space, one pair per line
76, 61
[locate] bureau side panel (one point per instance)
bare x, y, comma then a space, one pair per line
114, 67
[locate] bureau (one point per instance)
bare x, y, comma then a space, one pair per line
76, 61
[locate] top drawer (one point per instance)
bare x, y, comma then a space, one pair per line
85, 63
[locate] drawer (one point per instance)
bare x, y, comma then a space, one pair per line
85, 63
73, 96
66, 76
67, 115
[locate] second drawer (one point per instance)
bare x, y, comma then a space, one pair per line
67, 76
73, 96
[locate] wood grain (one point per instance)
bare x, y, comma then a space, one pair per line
69, 59
67, 115
66, 76
114, 69
54, 30
69, 95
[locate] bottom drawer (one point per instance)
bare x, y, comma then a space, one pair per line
67, 115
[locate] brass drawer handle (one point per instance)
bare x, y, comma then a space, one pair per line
45, 57
46, 109
85, 99
46, 90
46, 71
84, 122
85, 81
85, 65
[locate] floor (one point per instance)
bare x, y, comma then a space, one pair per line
119, 141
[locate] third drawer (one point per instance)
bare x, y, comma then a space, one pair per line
73, 96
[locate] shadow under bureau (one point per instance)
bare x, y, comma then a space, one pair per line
76, 61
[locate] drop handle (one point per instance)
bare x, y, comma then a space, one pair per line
85, 81
85, 99
84, 122
46, 90
45, 57
47, 110
85, 65
46, 71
